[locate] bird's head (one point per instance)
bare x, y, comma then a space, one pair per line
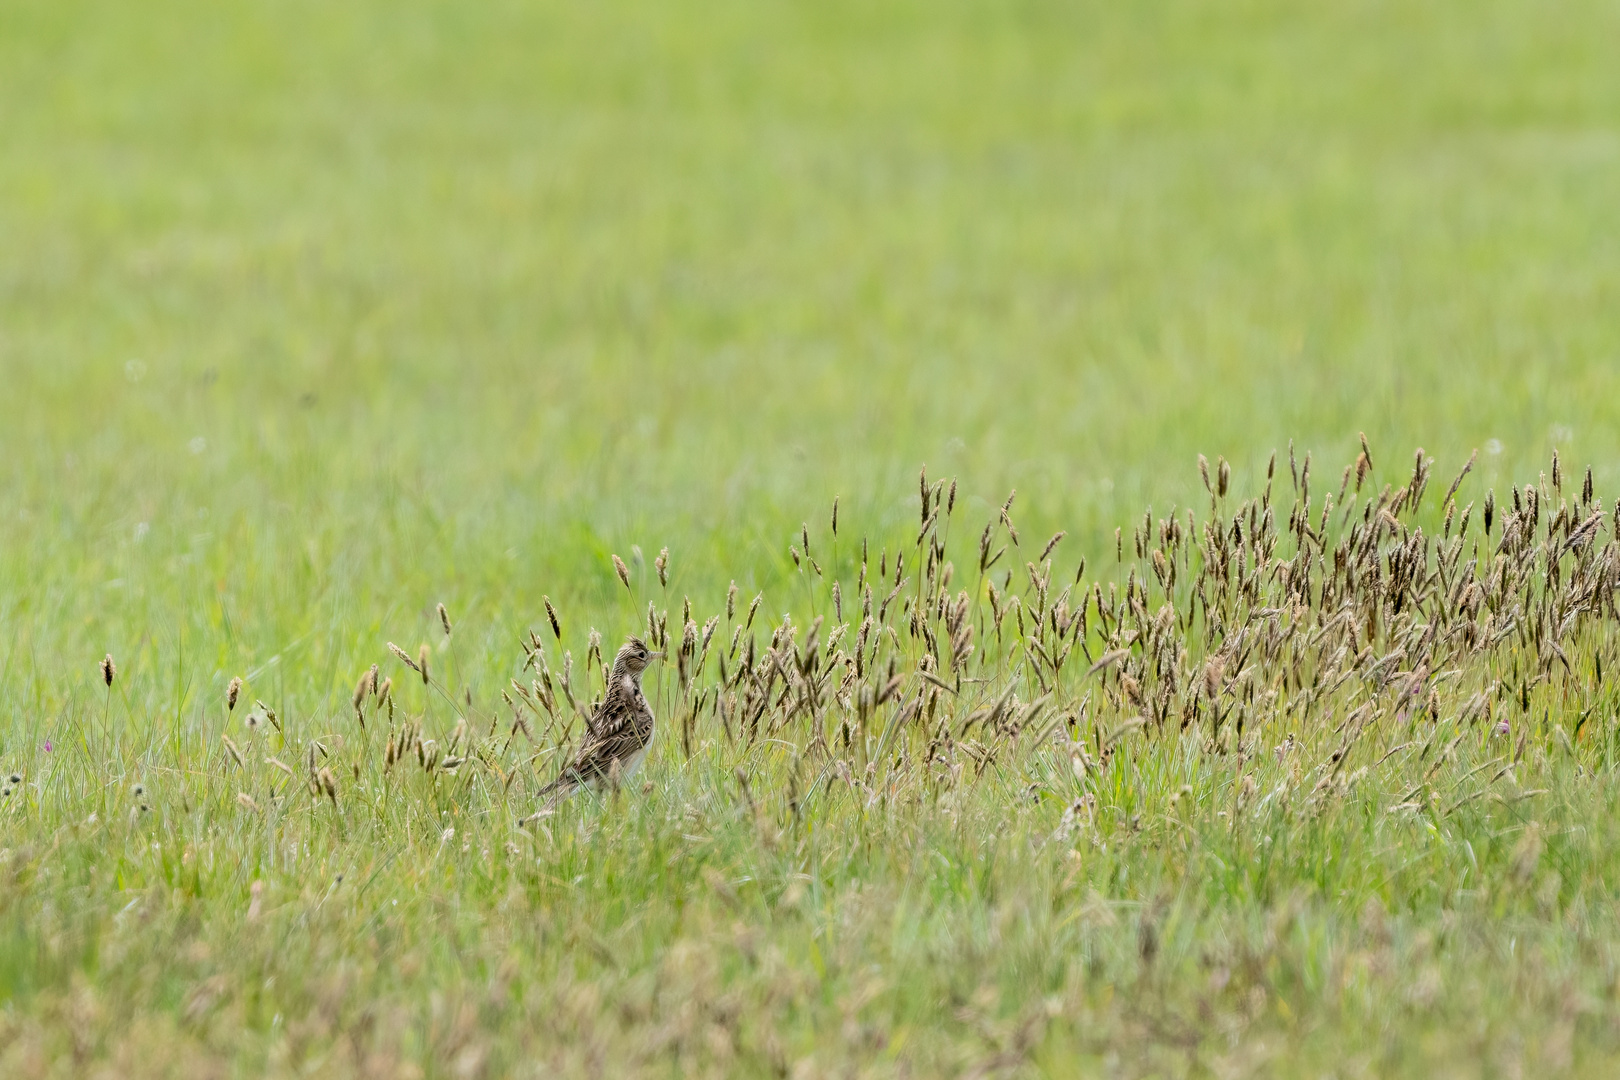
633, 658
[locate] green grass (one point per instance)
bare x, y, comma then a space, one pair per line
313, 316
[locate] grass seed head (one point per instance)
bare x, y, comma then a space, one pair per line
403, 656
551, 614
444, 620
622, 570
232, 692
661, 564
422, 654
109, 670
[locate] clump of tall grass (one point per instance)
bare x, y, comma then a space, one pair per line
1334, 625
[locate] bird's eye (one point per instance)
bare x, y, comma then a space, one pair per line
642, 653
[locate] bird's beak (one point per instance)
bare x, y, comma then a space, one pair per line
655, 656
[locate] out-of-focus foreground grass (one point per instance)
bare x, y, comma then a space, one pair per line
313, 315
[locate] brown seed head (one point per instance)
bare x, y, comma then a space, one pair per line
835, 516
422, 655
662, 565
1050, 545
444, 620
403, 656
622, 570
232, 691
108, 670
551, 613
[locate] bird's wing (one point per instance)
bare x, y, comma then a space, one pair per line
616, 714
616, 735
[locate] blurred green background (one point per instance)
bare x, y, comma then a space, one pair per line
312, 315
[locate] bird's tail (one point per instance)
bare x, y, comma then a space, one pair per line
558, 791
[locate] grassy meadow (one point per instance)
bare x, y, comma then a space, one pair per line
314, 317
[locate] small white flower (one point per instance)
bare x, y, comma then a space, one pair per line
1493, 446
197, 445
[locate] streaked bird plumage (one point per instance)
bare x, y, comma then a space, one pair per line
618, 733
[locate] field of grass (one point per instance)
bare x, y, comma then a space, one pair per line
316, 316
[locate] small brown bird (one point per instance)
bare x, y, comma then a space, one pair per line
617, 736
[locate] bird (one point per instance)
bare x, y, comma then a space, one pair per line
618, 733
